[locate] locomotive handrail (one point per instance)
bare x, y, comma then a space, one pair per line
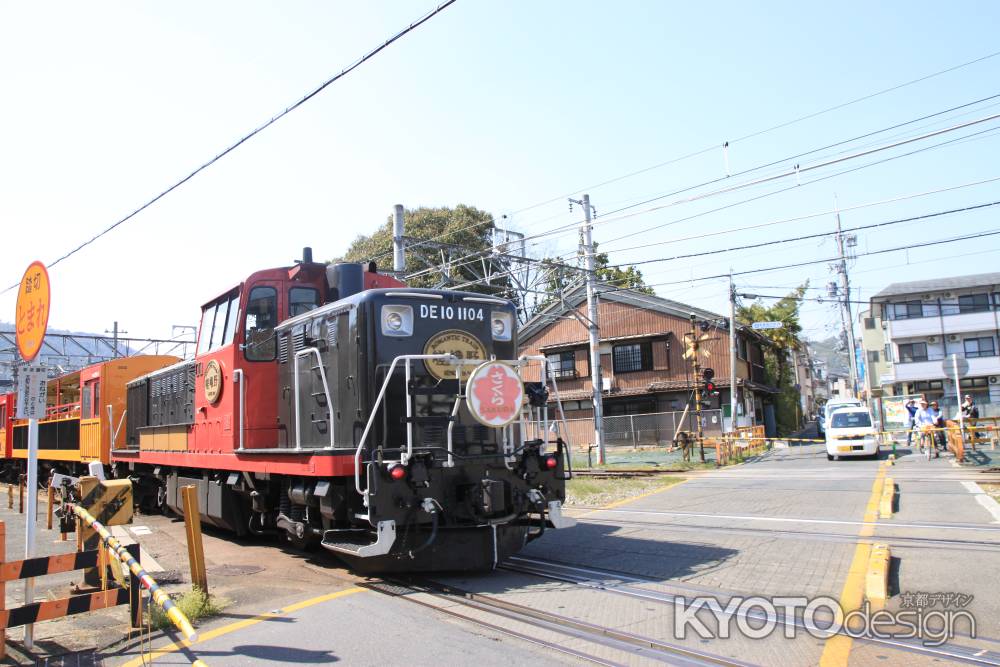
238, 372
378, 401
562, 414
326, 391
112, 431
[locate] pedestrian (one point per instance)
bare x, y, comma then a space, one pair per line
971, 411
911, 412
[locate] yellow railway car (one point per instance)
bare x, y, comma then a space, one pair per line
84, 413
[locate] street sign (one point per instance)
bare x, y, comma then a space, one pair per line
31, 388
954, 365
32, 314
31, 320
766, 325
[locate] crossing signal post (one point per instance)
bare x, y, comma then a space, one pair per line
692, 352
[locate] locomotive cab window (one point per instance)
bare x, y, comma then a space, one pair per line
218, 322
261, 318
302, 300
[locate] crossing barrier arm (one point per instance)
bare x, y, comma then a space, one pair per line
175, 615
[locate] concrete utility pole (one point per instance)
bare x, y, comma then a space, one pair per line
845, 305
115, 332
732, 354
398, 250
587, 245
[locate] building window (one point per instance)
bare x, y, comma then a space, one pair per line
906, 310
888, 353
741, 348
979, 347
973, 303
635, 406
873, 356
562, 364
973, 383
926, 385
910, 352
869, 323
633, 357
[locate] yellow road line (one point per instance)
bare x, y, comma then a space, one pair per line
837, 649
647, 494
239, 625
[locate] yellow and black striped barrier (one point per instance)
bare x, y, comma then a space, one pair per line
175, 615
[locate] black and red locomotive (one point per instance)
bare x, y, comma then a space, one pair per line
327, 403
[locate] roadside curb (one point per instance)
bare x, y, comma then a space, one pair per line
877, 577
886, 501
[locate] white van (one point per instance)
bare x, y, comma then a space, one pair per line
850, 432
837, 404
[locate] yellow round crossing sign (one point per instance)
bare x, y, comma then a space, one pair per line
32, 317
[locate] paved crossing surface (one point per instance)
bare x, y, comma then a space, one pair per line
789, 524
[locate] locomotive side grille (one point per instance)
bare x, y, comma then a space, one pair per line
332, 330
283, 348
298, 339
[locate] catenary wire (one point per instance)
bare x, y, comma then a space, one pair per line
271, 121
784, 174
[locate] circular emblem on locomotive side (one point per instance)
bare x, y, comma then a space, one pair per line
459, 343
495, 394
213, 381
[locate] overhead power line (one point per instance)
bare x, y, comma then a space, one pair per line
795, 171
792, 239
456, 265
756, 133
271, 121
780, 267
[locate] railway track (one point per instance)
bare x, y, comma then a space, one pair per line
597, 644
618, 583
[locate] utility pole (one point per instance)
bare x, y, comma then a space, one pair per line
697, 382
398, 249
732, 353
845, 303
587, 246
115, 333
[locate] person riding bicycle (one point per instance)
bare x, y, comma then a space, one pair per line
924, 421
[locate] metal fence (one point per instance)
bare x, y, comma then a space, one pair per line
648, 430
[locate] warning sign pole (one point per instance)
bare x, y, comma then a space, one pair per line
32, 321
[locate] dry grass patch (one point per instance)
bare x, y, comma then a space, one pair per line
588, 491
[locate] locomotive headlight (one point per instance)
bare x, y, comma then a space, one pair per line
502, 324
397, 320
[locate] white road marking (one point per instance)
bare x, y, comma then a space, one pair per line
984, 499
781, 519
140, 530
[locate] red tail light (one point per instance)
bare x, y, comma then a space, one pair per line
397, 472
550, 462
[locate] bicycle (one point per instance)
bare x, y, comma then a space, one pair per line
926, 442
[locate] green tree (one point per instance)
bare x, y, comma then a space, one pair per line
785, 341
435, 235
628, 277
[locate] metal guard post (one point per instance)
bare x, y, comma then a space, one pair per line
161, 598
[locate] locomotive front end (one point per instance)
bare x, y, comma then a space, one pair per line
458, 462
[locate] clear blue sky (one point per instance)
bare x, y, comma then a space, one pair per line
499, 105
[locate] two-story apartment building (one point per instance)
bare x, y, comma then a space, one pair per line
925, 321
642, 363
